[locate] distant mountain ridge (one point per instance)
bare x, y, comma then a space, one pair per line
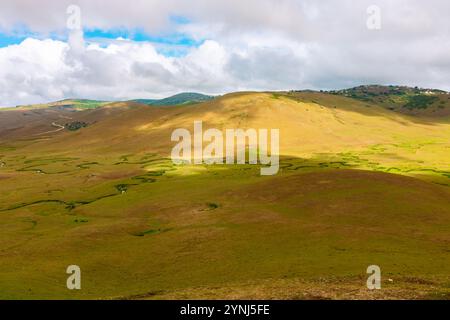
80, 104
178, 99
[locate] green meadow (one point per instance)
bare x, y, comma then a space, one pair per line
108, 198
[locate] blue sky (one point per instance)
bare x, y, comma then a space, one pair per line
170, 44
6, 40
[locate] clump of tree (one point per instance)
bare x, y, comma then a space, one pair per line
122, 188
74, 126
420, 101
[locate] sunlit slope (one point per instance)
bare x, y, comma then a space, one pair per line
312, 125
305, 125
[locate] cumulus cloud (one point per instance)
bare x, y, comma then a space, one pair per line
245, 45
41, 70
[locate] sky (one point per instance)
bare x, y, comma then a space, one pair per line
117, 50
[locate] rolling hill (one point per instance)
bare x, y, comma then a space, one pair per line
76, 104
359, 184
81, 104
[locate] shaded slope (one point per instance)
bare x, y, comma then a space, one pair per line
323, 228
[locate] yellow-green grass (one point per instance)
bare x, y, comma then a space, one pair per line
356, 187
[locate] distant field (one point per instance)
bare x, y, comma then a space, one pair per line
68, 103
358, 185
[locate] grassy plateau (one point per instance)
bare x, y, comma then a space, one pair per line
359, 184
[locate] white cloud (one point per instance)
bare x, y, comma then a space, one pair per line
252, 44
41, 70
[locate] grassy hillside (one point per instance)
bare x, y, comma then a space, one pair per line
359, 184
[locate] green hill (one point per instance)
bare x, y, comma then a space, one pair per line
402, 98
178, 99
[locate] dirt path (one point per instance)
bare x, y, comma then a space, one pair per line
54, 124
